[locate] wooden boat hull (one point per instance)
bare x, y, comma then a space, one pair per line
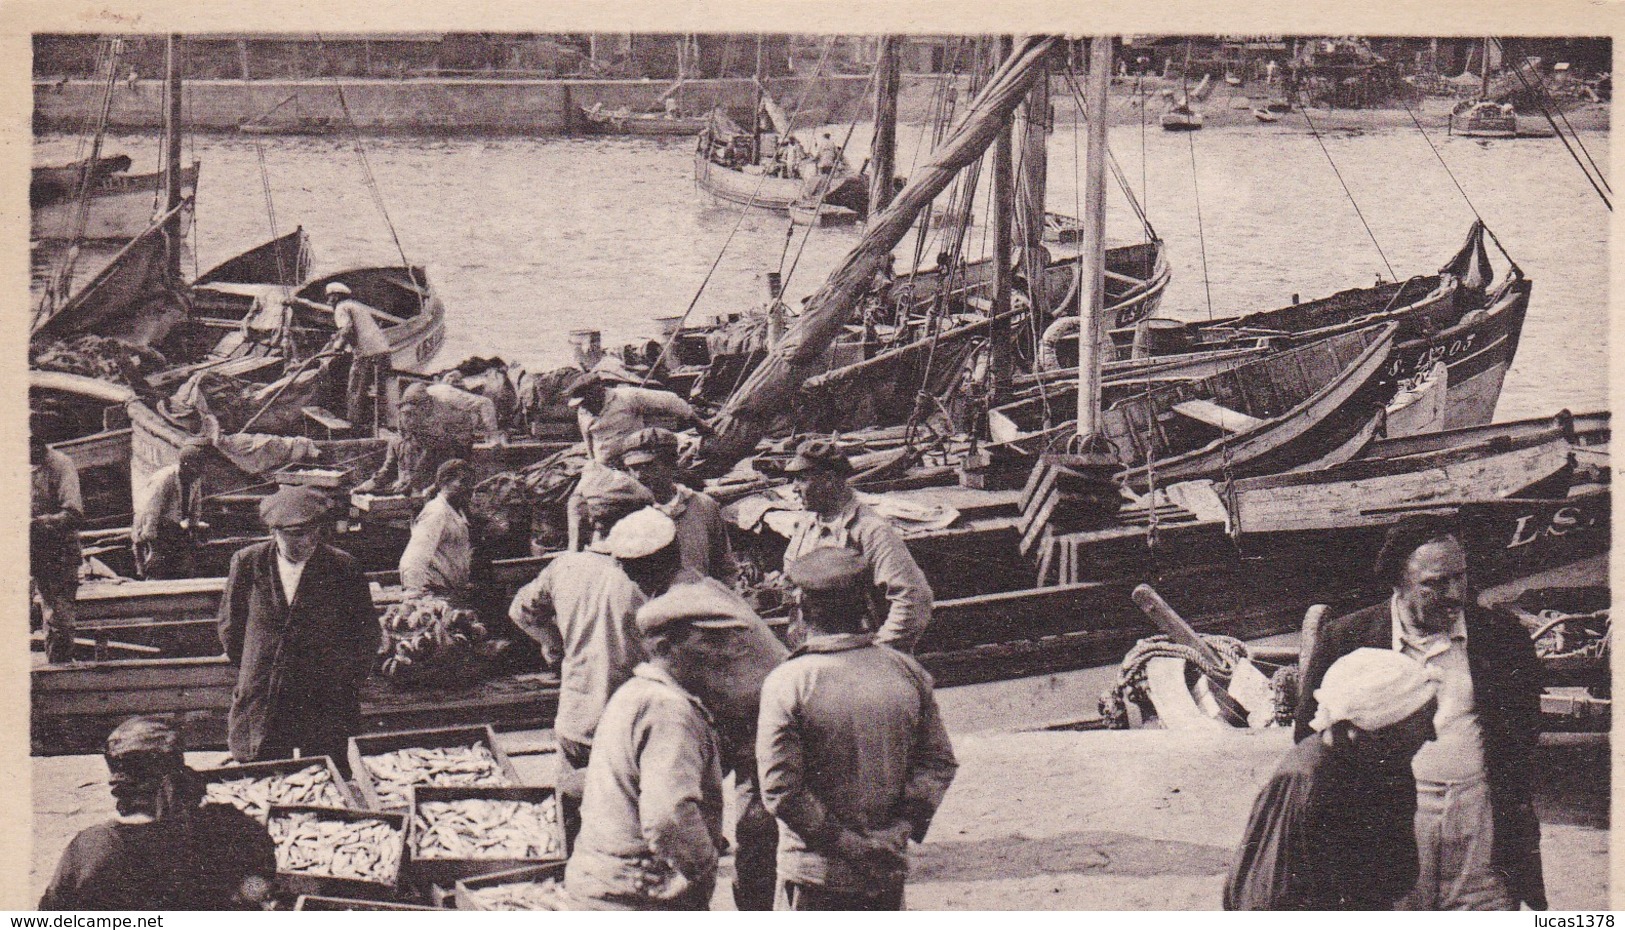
1531, 459
100, 446
773, 194
121, 208
640, 124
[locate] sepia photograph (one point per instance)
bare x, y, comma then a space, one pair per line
982, 469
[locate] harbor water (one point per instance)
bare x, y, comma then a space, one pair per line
528, 239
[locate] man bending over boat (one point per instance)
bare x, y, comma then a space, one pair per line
834, 517
1332, 829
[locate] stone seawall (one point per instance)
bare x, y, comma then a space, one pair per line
426, 105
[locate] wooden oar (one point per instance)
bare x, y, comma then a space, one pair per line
1249, 697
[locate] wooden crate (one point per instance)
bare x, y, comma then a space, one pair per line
306, 883
380, 743
446, 871
316, 902
283, 767
466, 902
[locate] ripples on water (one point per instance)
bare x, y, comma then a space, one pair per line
527, 239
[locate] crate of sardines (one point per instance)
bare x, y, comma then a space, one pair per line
332, 851
532, 888
461, 832
253, 788
387, 766
316, 902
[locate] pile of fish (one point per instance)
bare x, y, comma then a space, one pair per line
476, 828
427, 641
540, 895
312, 786
395, 773
360, 850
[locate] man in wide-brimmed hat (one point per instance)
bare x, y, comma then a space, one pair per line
296, 617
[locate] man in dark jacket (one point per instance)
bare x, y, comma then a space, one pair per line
165, 850
296, 616
1476, 830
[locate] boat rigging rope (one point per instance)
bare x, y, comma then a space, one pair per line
367, 175
1333, 162
1541, 99
270, 211
1561, 137
744, 211
1201, 230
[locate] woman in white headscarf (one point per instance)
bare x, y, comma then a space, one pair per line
1333, 828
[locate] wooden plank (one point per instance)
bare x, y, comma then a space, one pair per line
1206, 411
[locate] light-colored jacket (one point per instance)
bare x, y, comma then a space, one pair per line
651, 813
440, 554
591, 604
626, 410
893, 572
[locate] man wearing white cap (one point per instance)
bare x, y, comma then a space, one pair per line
651, 457
1476, 829
1333, 828
580, 610
652, 809
358, 331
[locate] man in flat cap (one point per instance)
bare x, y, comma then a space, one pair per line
169, 516
580, 609
296, 617
650, 456
836, 518
165, 850
1333, 828
1476, 829
652, 810
851, 751
610, 407
56, 510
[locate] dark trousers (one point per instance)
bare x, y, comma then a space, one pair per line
59, 608
795, 896
572, 779
756, 834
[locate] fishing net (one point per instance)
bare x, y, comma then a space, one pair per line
98, 357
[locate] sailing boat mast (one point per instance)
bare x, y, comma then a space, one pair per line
773, 385
1035, 125
883, 161
172, 152
1004, 202
1484, 78
1092, 298
756, 108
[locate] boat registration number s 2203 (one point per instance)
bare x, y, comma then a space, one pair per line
1413, 365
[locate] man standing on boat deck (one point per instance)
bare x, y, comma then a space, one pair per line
852, 754
425, 443
652, 811
651, 456
359, 332
439, 558
580, 610
1476, 829
169, 516
296, 617
829, 154
610, 408
834, 517
53, 535
1333, 829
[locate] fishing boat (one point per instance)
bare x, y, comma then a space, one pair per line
1265, 116
118, 206
1485, 120
1181, 117
1461, 316
92, 416
624, 121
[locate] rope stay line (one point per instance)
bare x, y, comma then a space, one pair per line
1541, 100
1350, 194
